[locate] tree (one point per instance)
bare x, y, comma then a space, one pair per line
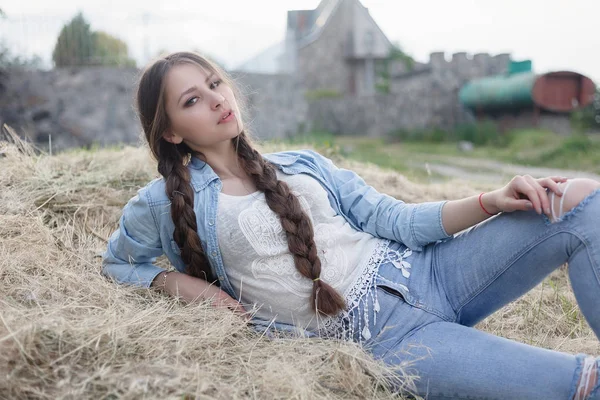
77, 44
9, 60
110, 50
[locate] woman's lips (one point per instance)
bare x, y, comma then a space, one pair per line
227, 117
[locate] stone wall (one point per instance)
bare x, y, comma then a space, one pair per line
380, 114
422, 98
86, 106
78, 106
276, 107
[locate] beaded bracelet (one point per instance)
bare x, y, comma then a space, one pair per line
164, 280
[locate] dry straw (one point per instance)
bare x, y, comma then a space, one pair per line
67, 332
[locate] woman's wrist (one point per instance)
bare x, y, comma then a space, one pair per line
487, 202
160, 282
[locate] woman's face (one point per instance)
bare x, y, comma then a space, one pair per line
202, 109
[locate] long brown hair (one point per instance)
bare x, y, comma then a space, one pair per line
171, 165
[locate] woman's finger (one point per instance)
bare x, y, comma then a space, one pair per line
236, 307
557, 179
225, 301
551, 184
523, 204
540, 193
524, 186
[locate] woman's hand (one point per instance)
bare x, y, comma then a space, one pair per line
523, 193
191, 289
223, 300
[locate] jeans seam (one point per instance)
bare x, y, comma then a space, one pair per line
515, 258
596, 389
412, 227
595, 267
408, 335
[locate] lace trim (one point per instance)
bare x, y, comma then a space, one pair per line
341, 326
360, 294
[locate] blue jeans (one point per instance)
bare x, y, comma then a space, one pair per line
428, 306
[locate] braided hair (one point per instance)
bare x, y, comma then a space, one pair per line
172, 166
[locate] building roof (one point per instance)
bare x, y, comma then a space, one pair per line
307, 25
303, 28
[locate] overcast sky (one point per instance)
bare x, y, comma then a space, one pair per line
554, 34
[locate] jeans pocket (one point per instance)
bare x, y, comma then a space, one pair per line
390, 291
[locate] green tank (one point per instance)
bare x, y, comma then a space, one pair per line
499, 92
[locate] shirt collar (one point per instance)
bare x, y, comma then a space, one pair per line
202, 174
281, 158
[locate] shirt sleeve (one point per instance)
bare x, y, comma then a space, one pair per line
133, 248
381, 215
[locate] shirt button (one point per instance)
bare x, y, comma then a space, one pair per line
211, 222
221, 277
214, 254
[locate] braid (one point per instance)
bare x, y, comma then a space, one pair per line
179, 190
295, 222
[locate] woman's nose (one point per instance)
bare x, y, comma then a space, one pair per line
217, 101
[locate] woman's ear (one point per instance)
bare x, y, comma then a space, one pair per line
172, 137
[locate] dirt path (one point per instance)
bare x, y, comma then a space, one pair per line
492, 171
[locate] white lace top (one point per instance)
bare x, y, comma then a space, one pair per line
262, 270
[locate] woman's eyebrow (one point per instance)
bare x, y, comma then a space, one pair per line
186, 92
193, 88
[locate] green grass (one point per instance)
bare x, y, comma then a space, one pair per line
547, 149
364, 149
525, 147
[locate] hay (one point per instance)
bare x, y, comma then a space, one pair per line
68, 332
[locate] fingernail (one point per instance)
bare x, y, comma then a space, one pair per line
529, 205
547, 211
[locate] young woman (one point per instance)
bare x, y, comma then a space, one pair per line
299, 244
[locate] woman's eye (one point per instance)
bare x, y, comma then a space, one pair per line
215, 84
190, 102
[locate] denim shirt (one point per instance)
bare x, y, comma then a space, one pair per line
146, 229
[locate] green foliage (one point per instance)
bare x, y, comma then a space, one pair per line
383, 67
78, 45
75, 43
383, 86
9, 60
319, 94
110, 50
396, 53
480, 133
323, 142
572, 147
588, 118
533, 147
